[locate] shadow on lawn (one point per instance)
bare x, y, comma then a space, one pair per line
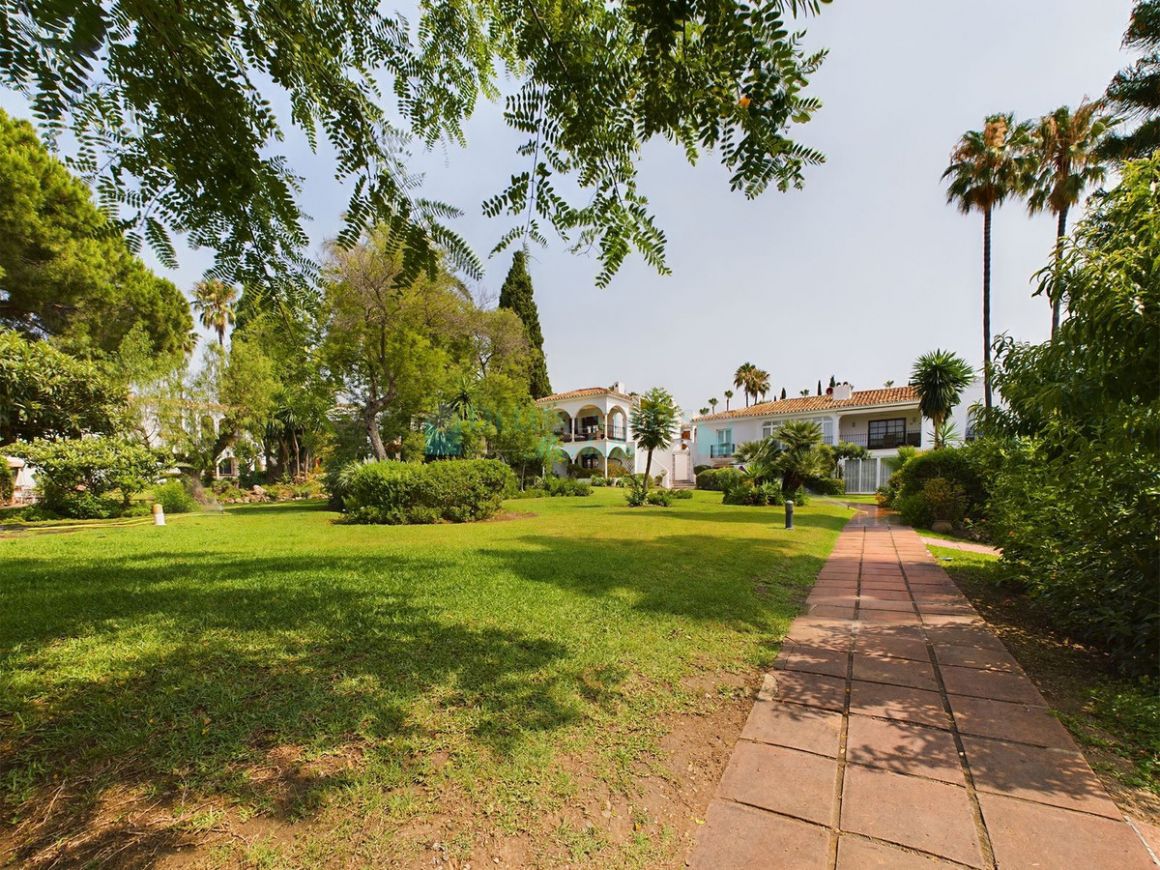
258, 695
257, 679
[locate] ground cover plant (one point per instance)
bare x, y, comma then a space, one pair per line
266, 686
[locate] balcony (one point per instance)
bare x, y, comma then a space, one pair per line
721, 451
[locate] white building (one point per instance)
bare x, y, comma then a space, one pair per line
880, 420
595, 432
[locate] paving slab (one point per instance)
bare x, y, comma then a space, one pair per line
795, 726
1031, 836
854, 853
1050, 776
932, 816
736, 837
896, 731
1019, 723
903, 747
787, 781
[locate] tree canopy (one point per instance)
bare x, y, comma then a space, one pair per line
65, 270
45, 393
175, 131
1077, 500
517, 295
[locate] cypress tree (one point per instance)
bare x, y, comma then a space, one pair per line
819, 386
783, 392
517, 296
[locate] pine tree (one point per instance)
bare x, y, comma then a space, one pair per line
517, 296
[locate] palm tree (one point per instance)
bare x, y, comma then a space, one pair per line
742, 378
804, 392
214, 301
654, 422
713, 404
703, 411
986, 167
800, 457
940, 377
888, 384
1134, 93
1067, 145
728, 396
758, 383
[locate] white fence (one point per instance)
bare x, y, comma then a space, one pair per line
865, 475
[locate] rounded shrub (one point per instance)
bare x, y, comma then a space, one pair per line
174, 498
397, 493
957, 467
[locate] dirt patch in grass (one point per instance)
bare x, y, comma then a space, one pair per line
1115, 721
650, 820
509, 516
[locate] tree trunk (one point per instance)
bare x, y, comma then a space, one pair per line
1057, 302
648, 469
987, 308
371, 421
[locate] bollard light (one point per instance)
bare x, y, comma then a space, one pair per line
789, 513
158, 515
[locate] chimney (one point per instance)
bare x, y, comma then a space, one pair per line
843, 391
619, 387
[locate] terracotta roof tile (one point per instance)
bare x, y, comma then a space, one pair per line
582, 393
858, 399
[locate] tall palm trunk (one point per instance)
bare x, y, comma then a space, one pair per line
987, 308
648, 469
1057, 302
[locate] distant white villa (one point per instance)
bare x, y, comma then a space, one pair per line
880, 420
595, 432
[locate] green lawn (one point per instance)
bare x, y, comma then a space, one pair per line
282, 690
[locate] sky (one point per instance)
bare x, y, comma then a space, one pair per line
856, 274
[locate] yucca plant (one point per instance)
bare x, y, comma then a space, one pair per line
940, 377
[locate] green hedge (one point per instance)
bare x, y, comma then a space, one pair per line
718, 479
827, 485
397, 493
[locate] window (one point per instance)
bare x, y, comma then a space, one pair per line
724, 436
589, 460
769, 427
827, 431
886, 433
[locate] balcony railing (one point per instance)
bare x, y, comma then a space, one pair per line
616, 433
889, 442
720, 451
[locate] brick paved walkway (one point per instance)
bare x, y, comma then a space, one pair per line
897, 732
